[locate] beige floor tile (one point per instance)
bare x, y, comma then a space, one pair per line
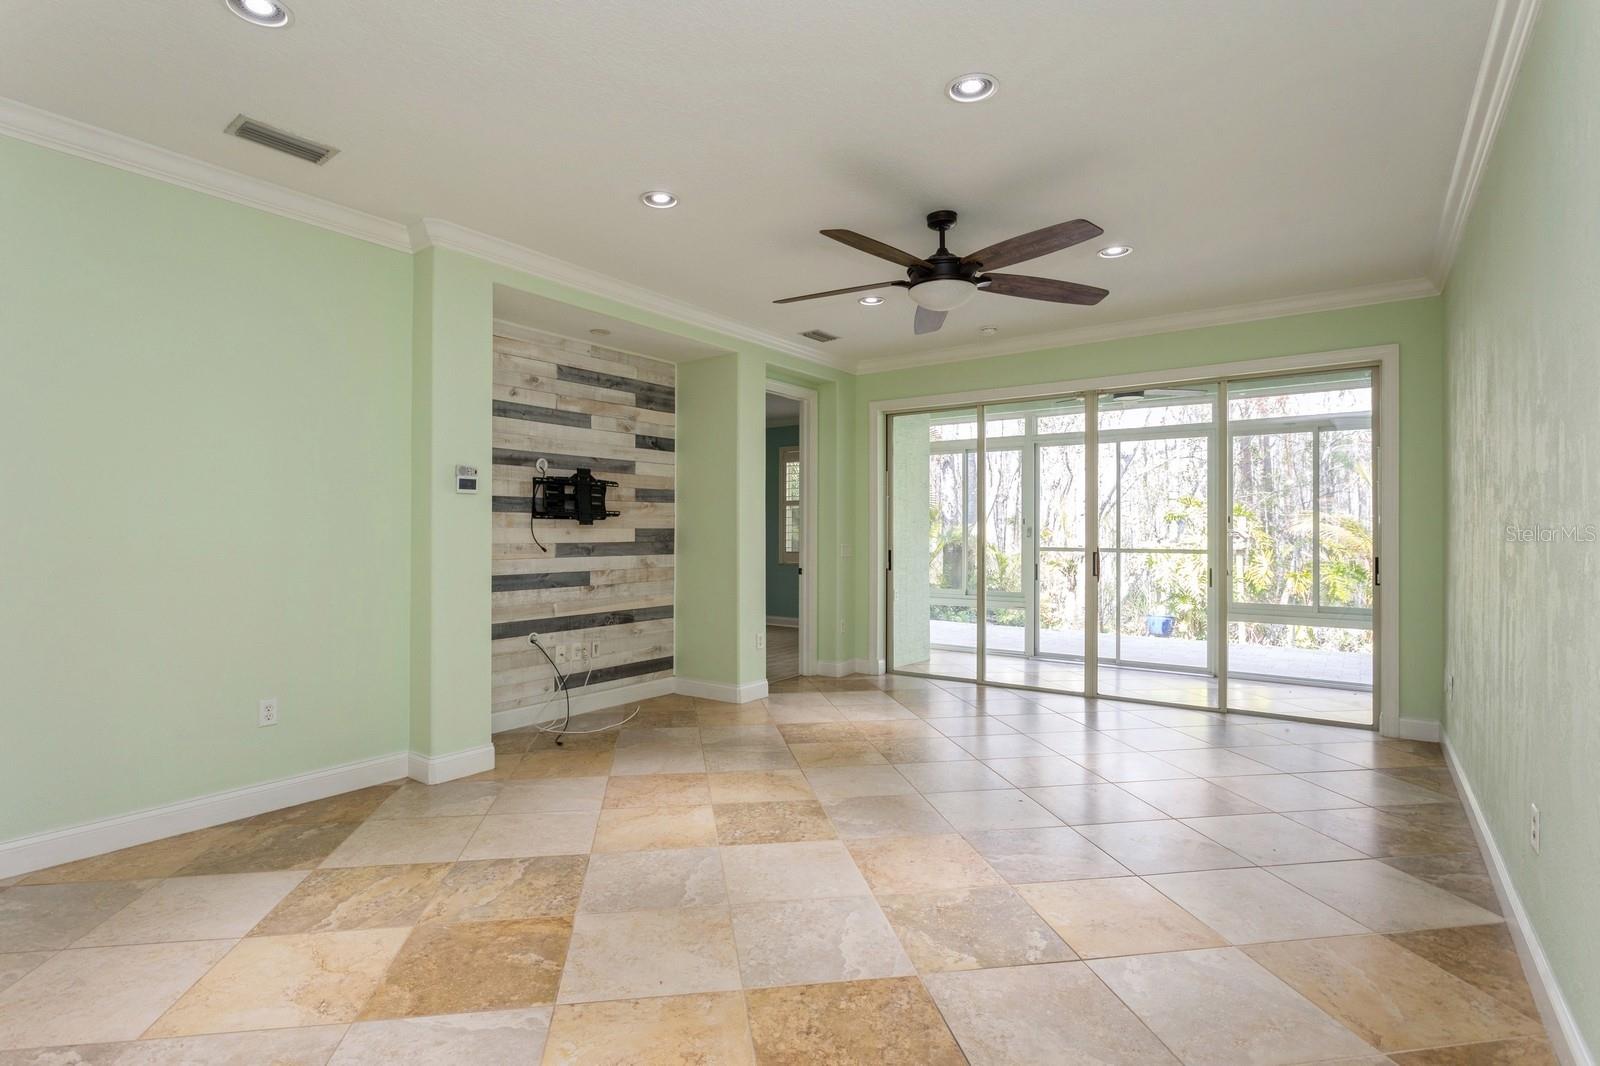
401, 841
1129, 766
1158, 739
648, 828
1461, 874
791, 942
159, 858
279, 982
549, 764
837, 753
1383, 753
94, 995
650, 953
1524, 1051
934, 749
653, 880
550, 794
737, 760
758, 786
1484, 956
1375, 788
1093, 804
509, 1036
890, 1022
1042, 771
760, 873
977, 812
452, 799
359, 897
1003, 746
1271, 839
519, 836
972, 928
451, 967
709, 1029
1383, 898
1251, 906
16, 965
658, 790
966, 776
497, 889
820, 732
283, 1047
901, 866
1160, 847
771, 823
1117, 916
832, 783
1292, 758
674, 750
46, 917
1377, 831
1053, 853
218, 907
1055, 1015
1218, 1008
258, 847
1191, 798
1216, 762
886, 816
504, 766
1283, 792
1392, 998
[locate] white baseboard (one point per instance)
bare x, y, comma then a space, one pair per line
1418, 729
437, 769
846, 667
582, 700
1565, 1035
41, 850
782, 621
722, 693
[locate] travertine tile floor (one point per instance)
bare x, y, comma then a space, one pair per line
873, 870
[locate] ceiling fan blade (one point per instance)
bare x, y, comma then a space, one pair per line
841, 292
1061, 292
866, 244
1033, 245
928, 321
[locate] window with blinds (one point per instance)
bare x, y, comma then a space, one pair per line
789, 514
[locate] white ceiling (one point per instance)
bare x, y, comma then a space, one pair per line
1249, 150
541, 313
782, 411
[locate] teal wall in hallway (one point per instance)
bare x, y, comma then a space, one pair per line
783, 579
1523, 343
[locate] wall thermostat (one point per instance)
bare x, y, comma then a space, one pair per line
466, 479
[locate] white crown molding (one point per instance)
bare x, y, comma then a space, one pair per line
1502, 57
438, 233
67, 135
1335, 300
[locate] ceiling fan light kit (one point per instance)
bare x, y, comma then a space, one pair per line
944, 281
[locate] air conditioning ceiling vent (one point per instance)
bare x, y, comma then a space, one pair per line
278, 140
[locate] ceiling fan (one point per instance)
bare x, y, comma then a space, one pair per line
944, 281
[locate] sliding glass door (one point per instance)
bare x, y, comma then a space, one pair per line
1216, 538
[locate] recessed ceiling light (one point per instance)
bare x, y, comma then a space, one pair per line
261, 12
1115, 251
970, 88
988, 331
870, 301
659, 198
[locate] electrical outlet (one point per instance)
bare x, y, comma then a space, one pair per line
581, 652
761, 640
1533, 827
267, 711
561, 654
594, 650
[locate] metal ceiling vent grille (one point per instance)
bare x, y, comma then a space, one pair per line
820, 335
280, 141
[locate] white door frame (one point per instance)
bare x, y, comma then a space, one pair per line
807, 399
1386, 442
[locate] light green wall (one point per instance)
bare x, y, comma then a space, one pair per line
910, 484
1415, 325
706, 601
782, 579
204, 424
1523, 342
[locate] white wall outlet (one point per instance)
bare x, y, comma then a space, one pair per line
580, 652
561, 653
761, 640
267, 711
594, 650
1533, 827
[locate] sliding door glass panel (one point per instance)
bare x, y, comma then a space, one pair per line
1302, 523
1155, 575
1062, 575
934, 542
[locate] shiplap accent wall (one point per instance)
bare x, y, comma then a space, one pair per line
581, 405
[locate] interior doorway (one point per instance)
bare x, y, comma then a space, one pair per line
788, 546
